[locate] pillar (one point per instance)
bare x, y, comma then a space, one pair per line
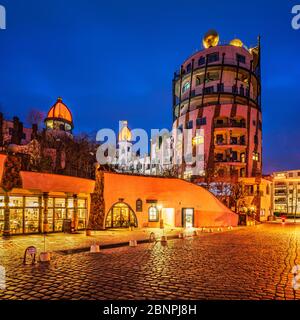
75, 212
6, 231
45, 213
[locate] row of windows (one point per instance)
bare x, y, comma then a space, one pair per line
214, 57
25, 213
190, 124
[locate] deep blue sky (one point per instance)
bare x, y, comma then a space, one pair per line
113, 60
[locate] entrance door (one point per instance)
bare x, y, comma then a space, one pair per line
188, 217
120, 216
168, 215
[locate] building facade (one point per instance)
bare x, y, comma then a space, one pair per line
217, 105
286, 193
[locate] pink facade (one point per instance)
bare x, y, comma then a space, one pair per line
218, 90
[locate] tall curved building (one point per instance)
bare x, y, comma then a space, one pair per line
217, 96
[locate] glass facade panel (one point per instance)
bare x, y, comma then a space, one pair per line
16, 221
31, 219
59, 213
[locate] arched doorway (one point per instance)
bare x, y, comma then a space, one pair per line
120, 216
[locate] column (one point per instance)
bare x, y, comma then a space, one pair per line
6, 231
45, 213
75, 213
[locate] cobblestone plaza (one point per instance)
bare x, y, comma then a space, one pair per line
246, 263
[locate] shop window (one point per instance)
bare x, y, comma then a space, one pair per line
59, 213
153, 214
82, 213
31, 215
1, 214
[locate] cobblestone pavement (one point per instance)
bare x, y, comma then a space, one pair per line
248, 263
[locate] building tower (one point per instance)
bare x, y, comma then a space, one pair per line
125, 156
218, 92
59, 118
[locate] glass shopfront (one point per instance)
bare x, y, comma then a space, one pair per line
16, 214
31, 215
82, 213
26, 213
1, 214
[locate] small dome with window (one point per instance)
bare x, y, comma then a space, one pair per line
59, 117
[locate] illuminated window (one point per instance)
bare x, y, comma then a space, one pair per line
198, 140
153, 214
186, 87
255, 156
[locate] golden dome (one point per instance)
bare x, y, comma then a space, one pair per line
125, 133
60, 111
236, 43
210, 39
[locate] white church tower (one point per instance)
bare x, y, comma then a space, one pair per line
125, 155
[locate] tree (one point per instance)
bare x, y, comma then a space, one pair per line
35, 117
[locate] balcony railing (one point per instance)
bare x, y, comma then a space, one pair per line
230, 143
230, 125
218, 89
227, 61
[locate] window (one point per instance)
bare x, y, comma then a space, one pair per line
201, 61
291, 174
255, 156
198, 140
186, 87
10, 131
199, 80
189, 124
240, 58
259, 125
220, 87
201, 121
254, 122
212, 76
188, 67
139, 205
213, 57
256, 139
153, 214
24, 136
208, 90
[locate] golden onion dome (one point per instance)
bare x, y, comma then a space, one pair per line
60, 111
125, 134
236, 43
210, 39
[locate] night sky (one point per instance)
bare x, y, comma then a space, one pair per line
114, 60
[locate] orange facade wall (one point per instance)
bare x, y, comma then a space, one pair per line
46, 182
170, 193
